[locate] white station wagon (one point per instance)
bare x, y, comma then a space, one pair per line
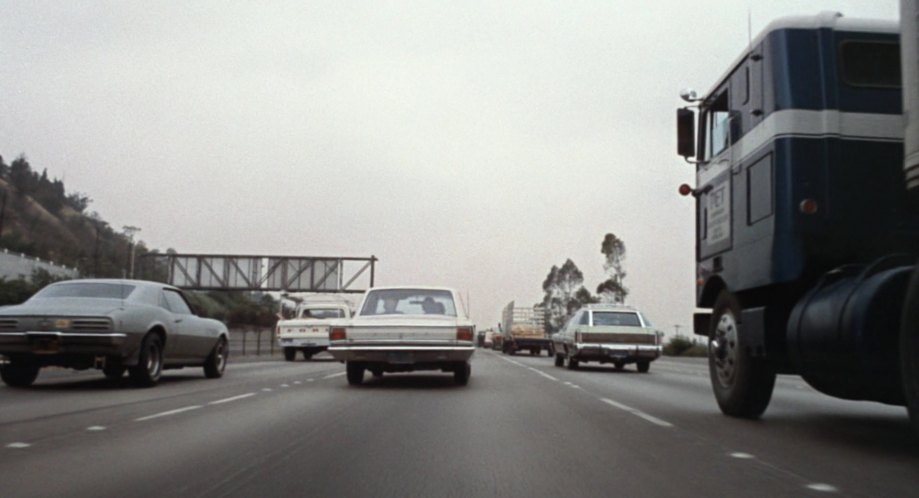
607, 333
404, 329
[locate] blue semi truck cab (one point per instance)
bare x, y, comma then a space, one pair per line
807, 235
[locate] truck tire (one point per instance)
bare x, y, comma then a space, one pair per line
559, 360
572, 363
290, 354
643, 366
742, 384
909, 350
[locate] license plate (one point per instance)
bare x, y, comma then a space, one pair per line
46, 345
400, 358
617, 354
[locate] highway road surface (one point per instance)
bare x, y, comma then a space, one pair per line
522, 427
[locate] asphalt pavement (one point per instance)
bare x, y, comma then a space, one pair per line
522, 427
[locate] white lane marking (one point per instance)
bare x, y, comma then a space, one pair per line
170, 412
742, 456
339, 374
824, 488
540, 372
95, 428
634, 411
266, 389
296, 382
18, 445
234, 398
311, 380
284, 385
512, 361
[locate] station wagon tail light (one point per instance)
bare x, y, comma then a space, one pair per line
337, 334
464, 334
577, 337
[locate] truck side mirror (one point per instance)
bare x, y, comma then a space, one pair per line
685, 132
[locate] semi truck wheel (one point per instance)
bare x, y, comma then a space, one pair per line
909, 350
742, 384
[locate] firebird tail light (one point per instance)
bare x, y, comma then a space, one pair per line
337, 334
464, 334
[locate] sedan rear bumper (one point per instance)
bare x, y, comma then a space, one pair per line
401, 354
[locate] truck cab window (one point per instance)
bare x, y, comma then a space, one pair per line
717, 130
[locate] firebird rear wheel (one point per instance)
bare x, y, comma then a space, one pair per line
150, 363
216, 362
19, 373
742, 384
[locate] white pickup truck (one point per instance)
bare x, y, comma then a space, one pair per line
309, 331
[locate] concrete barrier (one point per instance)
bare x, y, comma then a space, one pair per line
16, 265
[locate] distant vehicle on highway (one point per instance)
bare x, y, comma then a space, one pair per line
607, 333
308, 333
113, 325
404, 329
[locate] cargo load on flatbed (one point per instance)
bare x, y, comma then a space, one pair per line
524, 328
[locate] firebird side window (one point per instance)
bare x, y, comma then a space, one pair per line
176, 303
717, 129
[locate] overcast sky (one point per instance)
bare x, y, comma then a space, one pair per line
468, 144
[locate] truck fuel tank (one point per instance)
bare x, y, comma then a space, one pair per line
842, 335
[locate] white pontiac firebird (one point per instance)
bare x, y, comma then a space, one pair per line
404, 329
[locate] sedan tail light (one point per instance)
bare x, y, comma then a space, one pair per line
337, 334
464, 334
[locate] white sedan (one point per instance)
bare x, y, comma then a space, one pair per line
403, 329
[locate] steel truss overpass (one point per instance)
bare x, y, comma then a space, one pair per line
259, 272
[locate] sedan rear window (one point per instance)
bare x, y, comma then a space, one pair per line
409, 302
616, 318
322, 313
103, 290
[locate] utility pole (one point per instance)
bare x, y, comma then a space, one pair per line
129, 232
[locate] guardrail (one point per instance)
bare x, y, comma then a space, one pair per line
253, 342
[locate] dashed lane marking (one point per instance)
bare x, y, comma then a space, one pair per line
540, 372
296, 382
18, 445
234, 398
95, 428
170, 412
638, 413
339, 374
823, 488
285, 385
741, 455
266, 389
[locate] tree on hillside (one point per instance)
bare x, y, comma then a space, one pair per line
612, 290
564, 294
21, 175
